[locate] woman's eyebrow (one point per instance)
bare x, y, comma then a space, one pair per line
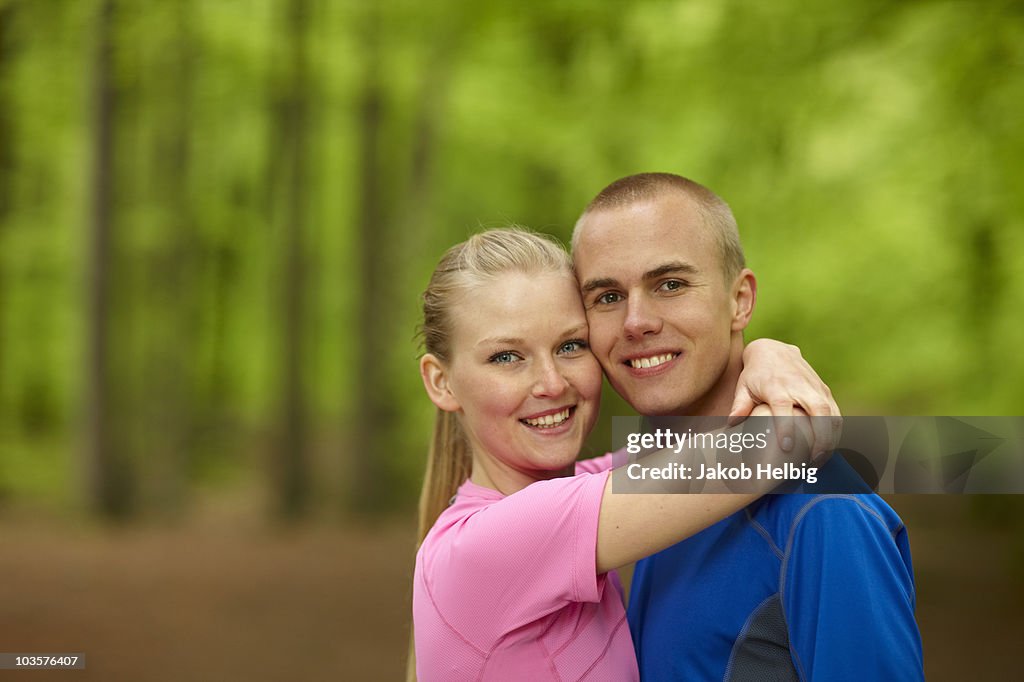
501, 341
516, 341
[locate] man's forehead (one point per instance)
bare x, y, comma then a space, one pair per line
665, 214
659, 230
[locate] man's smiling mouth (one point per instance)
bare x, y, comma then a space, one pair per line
651, 361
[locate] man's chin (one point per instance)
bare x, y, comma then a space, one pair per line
652, 406
661, 411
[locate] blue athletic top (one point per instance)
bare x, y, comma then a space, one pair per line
794, 587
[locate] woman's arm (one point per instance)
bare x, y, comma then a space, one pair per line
775, 374
632, 526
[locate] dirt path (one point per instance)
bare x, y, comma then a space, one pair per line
196, 604
206, 602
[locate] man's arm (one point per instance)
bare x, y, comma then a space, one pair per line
848, 593
776, 374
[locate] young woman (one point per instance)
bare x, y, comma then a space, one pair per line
514, 576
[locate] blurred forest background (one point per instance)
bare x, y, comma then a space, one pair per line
216, 218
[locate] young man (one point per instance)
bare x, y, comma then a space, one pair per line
795, 587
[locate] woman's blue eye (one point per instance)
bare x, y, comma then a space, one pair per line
574, 346
503, 358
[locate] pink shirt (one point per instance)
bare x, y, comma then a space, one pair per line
506, 588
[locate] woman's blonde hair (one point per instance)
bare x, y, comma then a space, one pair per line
479, 259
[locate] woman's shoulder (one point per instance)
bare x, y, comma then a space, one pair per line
594, 465
481, 520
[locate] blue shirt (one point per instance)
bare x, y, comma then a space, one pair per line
794, 587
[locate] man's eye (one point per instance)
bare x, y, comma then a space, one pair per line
673, 285
504, 358
607, 298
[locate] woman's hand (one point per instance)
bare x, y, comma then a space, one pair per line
776, 374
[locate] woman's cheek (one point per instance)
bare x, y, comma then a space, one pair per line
592, 379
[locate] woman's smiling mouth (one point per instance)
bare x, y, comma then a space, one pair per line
550, 420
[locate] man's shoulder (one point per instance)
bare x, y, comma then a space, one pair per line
784, 516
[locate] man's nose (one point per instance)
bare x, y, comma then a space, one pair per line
641, 318
550, 382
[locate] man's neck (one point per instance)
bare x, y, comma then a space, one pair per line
717, 402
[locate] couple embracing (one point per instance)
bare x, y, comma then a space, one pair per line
515, 574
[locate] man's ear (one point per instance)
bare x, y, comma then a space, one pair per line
435, 379
744, 294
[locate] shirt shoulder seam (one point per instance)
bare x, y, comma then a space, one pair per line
440, 614
763, 532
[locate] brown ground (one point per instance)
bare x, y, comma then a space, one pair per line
217, 601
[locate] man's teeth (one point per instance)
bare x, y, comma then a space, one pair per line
549, 419
654, 361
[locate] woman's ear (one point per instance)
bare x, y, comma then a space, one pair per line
436, 380
744, 294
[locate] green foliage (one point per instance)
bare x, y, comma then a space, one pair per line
870, 152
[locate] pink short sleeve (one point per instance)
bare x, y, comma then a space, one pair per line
518, 558
595, 464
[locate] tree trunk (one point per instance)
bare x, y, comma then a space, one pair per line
7, 51
292, 450
107, 477
169, 415
368, 487
7, 162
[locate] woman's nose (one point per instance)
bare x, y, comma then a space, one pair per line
550, 383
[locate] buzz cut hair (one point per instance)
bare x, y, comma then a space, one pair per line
714, 212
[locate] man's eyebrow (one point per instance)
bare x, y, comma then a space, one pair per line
673, 268
598, 283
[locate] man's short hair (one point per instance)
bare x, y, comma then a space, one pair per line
714, 212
